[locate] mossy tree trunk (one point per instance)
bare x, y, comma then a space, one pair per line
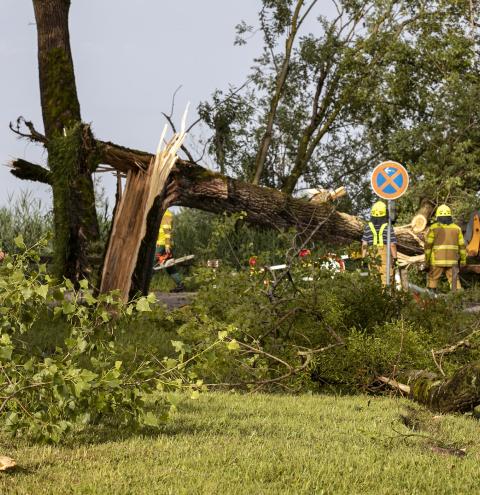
460, 393
71, 147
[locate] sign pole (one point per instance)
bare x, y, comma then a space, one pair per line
389, 181
389, 243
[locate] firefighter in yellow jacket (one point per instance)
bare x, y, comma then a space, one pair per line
163, 250
444, 248
374, 239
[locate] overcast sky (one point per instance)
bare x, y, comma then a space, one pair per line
129, 57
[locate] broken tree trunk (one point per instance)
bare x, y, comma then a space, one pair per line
193, 186
130, 222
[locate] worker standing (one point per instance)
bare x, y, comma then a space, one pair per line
374, 240
444, 248
163, 250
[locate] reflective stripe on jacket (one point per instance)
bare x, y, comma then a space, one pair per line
165, 232
377, 236
444, 245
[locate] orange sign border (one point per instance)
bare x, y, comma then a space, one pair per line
379, 169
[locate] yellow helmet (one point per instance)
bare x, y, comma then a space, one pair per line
379, 209
444, 211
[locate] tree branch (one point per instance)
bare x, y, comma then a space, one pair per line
34, 135
30, 171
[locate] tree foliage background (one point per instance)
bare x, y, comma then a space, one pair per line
380, 80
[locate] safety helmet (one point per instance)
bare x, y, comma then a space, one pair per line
379, 209
444, 211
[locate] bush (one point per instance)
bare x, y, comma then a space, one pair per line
316, 330
225, 237
25, 215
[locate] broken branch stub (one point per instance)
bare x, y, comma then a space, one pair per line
130, 222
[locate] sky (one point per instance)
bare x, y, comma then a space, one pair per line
129, 57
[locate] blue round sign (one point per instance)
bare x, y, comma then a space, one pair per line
389, 180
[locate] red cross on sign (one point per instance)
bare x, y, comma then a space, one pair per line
389, 180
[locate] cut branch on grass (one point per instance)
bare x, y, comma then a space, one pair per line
292, 370
459, 393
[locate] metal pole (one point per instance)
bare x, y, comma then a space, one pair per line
389, 243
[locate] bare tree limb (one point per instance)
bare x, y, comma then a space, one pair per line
25, 170
34, 135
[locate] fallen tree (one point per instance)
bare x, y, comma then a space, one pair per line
74, 154
193, 186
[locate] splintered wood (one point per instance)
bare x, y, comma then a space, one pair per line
130, 222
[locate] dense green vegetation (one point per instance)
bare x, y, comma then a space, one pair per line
373, 81
60, 366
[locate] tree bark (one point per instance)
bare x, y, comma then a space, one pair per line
70, 144
30, 171
460, 393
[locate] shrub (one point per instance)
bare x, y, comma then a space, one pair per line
46, 390
225, 237
316, 329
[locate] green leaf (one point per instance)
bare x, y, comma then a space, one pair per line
152, 298
83, 284
27, 293
88, 375
222, 335
89, 299
171, 363
195, 395
6, 353
149, 419
42, 291
143, 305
178, 345
19, 242
68, 308
233, 345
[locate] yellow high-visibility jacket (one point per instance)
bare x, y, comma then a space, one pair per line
445, 245
165, 232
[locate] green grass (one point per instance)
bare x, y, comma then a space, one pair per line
260, 444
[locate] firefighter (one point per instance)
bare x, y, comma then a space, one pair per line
444, 248
375, 238
163, 250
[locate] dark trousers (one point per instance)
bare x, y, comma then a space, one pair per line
171, 270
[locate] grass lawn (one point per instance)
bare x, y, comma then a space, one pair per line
256, 444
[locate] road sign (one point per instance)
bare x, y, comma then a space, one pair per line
389, 180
